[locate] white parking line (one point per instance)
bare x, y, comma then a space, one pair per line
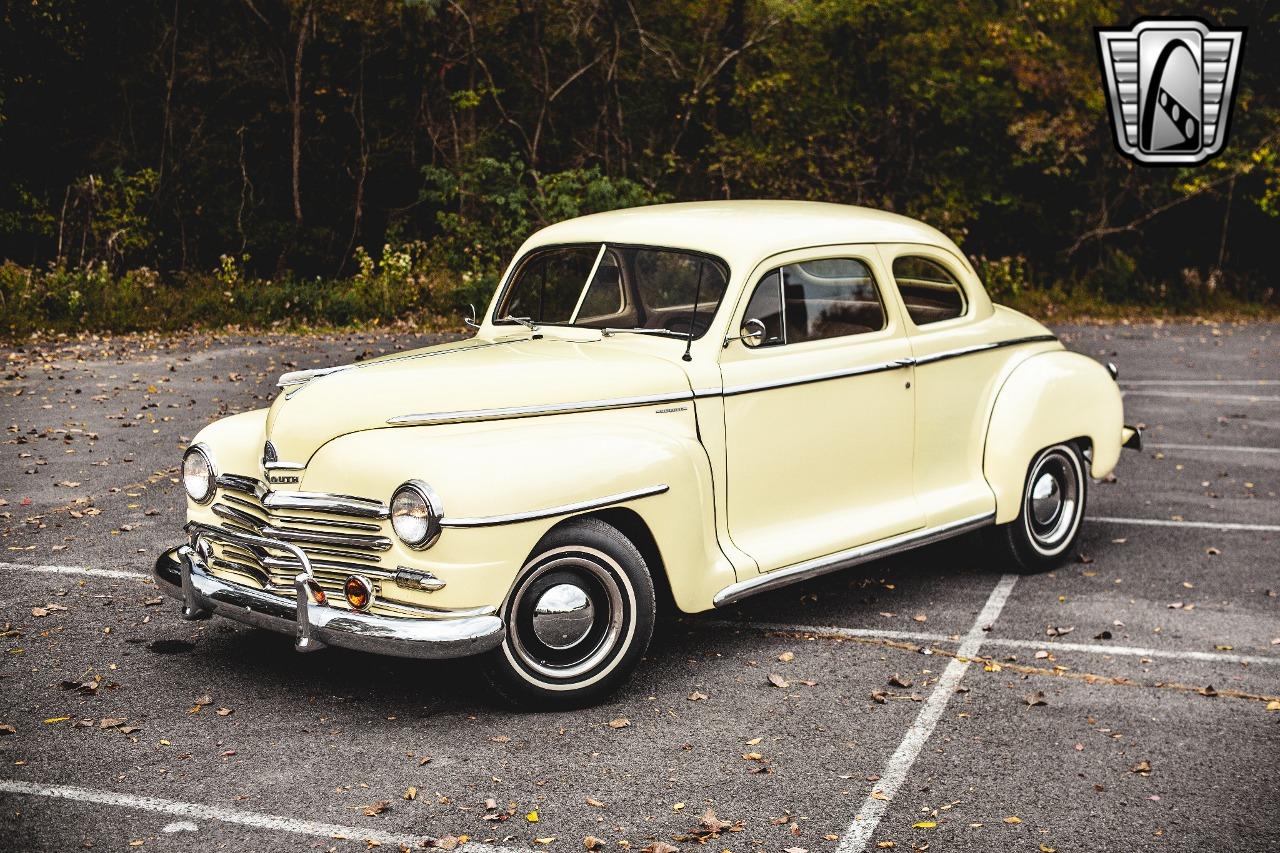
71, 570
1127, 382
1201, 395
895, 772
1011, 643
200, 811
1211, 448
1207, 525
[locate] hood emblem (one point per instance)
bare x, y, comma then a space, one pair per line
269, 455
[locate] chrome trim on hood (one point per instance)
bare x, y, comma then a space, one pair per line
531, 411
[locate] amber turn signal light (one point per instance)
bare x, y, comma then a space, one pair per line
316, 591
359, 592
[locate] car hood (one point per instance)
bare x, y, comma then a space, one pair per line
461, 377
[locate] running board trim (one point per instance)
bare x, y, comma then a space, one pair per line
850, 557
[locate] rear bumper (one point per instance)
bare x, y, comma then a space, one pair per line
182, 574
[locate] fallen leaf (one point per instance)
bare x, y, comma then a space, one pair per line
225, 712
1011, 819
7, 729
787, 657
500, 739
1143, 767
619, 723
879, 795
898, 681
1208, 691
206, 699
446, 842
544, 841
532, 817
1273, 705
592, 843
376, 808
924, 824
410, 793
885, 845
920, 617
1059, 631
1036, 698
111, 722
594, 803
660, 847
697, 696
778, 681
39, 612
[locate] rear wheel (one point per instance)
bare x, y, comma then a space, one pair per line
578, 619
1048, 525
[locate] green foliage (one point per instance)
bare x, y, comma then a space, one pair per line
159, 157
490, 206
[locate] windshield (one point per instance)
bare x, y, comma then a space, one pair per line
626, 288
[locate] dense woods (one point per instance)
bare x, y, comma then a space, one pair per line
318, 160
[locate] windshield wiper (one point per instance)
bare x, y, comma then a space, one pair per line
664, 332
523, 321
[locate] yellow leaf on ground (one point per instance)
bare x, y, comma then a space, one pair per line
1013, 819
924, 824
532, 817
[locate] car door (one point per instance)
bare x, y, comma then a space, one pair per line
819, 413
947, 316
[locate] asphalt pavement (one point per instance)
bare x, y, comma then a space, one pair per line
1127, 701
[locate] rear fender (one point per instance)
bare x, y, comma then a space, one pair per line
1050, 398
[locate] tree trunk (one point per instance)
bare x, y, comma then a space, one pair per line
297, 113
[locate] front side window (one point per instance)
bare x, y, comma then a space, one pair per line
929, 291
814, 300
631, 288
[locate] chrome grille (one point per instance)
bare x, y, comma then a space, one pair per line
341, 535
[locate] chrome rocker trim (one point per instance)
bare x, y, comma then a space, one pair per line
850, 557
181, 573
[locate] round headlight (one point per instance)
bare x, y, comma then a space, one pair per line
198, 473
415, 514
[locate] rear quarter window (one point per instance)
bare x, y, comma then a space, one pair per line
929, 290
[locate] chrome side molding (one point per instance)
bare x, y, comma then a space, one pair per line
550, 512
503, 413
847, 558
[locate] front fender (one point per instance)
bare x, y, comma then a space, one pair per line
1049, 398
532, 464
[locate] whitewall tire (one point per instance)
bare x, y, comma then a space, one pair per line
1050, 516
579, 618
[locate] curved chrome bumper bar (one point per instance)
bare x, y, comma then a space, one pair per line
182, 574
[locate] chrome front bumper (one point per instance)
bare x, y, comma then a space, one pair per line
182, 574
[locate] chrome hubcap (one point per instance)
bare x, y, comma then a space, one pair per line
1053, 500
567, 614
563, 616
1046, 499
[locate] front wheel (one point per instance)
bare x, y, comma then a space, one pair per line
578, 619
1048, 525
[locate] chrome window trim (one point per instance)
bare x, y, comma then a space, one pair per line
849, 557
550, 512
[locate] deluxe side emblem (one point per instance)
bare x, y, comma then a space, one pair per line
1170, 83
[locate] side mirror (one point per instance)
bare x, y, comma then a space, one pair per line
470, 319
752, 334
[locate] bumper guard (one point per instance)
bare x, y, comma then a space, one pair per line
182, 573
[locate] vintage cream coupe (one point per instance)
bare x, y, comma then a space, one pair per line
677, 405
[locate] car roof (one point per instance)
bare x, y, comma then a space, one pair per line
743, 232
